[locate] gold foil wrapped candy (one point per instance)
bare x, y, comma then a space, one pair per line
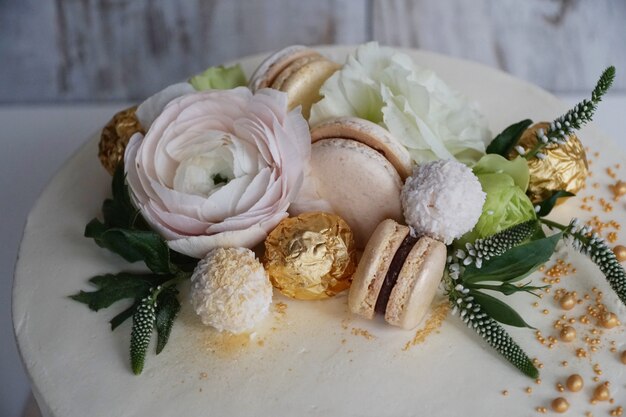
311, 256
115, 136
564, 168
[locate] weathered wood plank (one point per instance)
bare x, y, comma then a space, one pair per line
72, 50
127, 49
562, 45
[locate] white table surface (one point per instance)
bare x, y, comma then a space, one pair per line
35, 142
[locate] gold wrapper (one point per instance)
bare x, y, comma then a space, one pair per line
115, 136
311, 256
564, 168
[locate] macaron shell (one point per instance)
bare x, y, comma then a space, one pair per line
274, 64
358, 183
370, 134
373, 266
303, 83
417, 284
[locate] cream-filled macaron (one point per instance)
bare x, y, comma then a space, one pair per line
298, 71
370, 134
397, 276
357, 170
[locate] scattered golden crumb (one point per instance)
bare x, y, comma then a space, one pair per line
362, 332
434, 321
280, 307
203, 375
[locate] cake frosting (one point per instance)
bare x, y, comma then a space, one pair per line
305, 358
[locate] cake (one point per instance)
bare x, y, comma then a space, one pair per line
314, 357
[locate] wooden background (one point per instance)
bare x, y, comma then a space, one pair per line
85, 50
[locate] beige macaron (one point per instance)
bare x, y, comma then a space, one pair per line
297, 71
355, 182
397, 276
370, 134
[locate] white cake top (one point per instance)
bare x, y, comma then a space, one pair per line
306, 358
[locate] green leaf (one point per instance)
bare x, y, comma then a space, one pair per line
132, 245
498, 310
119, 210
505, 141
168, 307
539, 234
143, 325
123, 316
546, 206
507, 288
219, 78
514, 264
115, 287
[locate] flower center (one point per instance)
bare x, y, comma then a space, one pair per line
205, 173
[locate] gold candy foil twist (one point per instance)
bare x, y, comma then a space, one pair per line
115, 136
311, 256
564, 167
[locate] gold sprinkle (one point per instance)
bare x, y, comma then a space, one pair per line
575, 383
560, 405
437, 316
362, 332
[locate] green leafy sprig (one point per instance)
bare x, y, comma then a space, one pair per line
560, 129
593, 246
154, 295
474, 316
503, 259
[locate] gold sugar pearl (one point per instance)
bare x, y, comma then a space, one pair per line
609, 320
560, 405
623, 357
568, 334
620, 252
574, 383
601, 393
568, 301
619, 188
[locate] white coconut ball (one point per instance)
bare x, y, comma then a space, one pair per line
230, 290
442, 199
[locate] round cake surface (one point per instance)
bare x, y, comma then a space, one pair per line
306, 358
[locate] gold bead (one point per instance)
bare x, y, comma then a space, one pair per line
619, 188
601, 393
620, 252
560, 405
568, 301
609, 320
568, 334
575, 383
623, 357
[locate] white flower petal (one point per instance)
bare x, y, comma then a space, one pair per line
154, 105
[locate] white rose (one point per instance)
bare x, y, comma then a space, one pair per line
418, 108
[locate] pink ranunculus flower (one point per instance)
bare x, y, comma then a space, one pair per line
218, 168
